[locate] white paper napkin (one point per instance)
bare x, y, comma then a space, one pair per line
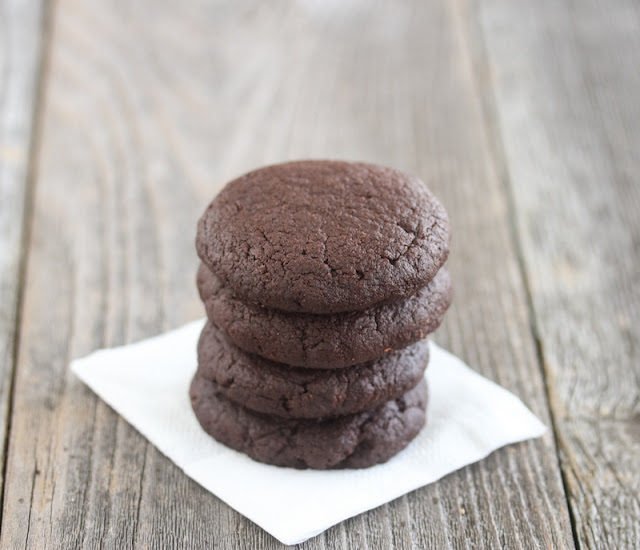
468, 417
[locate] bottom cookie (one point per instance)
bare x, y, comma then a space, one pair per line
355, 441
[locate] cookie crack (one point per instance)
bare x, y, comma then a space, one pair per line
332, 270
414, 238
361, 440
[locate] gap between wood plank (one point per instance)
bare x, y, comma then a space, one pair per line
480, 65
27, 219
565, 79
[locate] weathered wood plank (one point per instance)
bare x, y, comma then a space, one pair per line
567, 82
21, 26
149, 110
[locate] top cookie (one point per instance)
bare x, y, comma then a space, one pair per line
324, 236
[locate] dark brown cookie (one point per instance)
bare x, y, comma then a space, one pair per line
354, 441
324, 236
289, 392
325, 341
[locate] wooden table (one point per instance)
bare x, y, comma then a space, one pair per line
120, 120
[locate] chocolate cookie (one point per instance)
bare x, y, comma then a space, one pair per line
354, 441
325, 341
324, 236
289, 392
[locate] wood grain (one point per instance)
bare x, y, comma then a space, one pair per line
149, 110
567, 83
21, 27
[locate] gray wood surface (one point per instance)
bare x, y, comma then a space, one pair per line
148, 112
522, 117
20, 47
567, 88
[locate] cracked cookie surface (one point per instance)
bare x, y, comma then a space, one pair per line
325, 341
355, 441
324, 236
289, 392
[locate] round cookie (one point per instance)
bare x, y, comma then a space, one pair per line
324, 236
288, 392
355, 441
325, 341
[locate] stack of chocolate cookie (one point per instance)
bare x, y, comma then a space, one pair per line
321, 280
